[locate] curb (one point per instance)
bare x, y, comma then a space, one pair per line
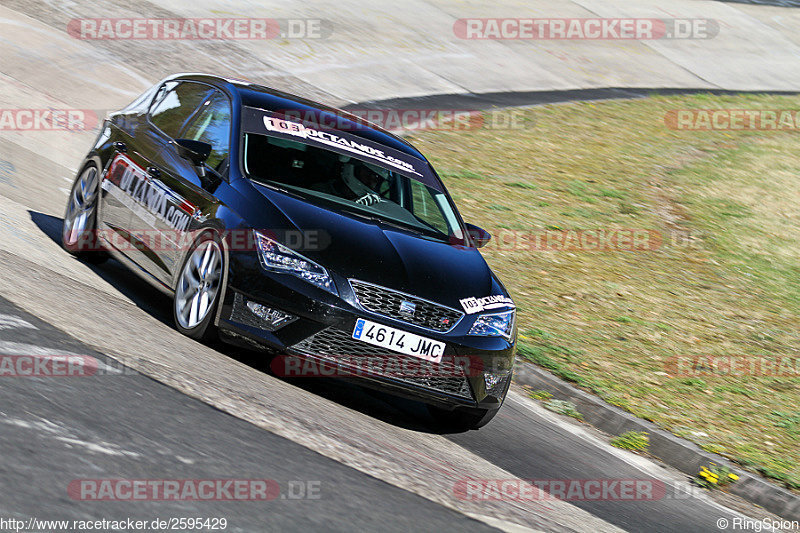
505, 99
675, 451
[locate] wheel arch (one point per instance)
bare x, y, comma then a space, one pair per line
216, 231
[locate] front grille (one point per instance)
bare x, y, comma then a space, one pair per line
339, 347
388, 302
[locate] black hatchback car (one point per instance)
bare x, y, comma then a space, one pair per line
281, 223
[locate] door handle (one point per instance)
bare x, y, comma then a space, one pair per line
153, 171
120, 146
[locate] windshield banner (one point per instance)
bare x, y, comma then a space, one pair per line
266, 123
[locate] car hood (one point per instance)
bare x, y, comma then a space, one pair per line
355, 248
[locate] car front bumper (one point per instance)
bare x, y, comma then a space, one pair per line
320, 332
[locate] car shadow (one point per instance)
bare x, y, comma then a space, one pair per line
141, 293
398, 411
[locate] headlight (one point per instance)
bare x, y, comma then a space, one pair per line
494, 325
278, 258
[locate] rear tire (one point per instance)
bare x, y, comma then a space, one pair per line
198, 291
79, 229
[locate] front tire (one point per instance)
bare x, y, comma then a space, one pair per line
198, 291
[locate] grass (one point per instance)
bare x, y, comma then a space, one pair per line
724, 281
563, 407
632, 440
540, 395
714, 477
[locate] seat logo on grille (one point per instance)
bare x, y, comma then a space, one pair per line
407, 309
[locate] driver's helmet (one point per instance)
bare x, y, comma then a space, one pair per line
357, 186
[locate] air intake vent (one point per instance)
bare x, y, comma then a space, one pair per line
338, 346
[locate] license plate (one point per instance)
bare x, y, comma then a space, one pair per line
398, 340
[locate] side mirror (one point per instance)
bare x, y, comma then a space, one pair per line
195, 151
479, 236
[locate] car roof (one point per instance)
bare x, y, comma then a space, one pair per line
262, 97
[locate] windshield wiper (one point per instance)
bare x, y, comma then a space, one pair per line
275, 186
432, 233
380, 220
374, 218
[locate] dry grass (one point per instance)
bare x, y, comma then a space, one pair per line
612, 320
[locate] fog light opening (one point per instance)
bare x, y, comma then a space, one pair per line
272, 318
495, 381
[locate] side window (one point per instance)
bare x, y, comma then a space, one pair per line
174, 106
161, 93
212, 125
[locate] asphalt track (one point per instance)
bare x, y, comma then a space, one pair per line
112, 425
170, 408
122, 424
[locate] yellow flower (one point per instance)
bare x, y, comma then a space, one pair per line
733, 476
703, 474
713, 480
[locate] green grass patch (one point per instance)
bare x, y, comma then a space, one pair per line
610, 321
522, 185
563, 407
540, 395
462, 175
632, 440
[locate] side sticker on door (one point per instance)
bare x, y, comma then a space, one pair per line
130, 184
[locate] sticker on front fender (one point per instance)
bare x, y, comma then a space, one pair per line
398, 340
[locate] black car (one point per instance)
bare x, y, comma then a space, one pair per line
281, 223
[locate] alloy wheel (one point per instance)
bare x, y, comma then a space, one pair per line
199, 284
81, 207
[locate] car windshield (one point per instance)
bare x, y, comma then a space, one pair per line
347, 184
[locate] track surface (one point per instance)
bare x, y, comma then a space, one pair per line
121, 424
180, 409
106, 311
